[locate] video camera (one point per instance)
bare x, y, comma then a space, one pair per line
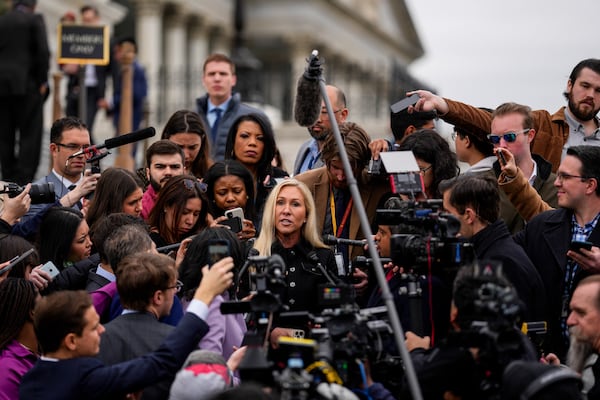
428, 237
40, 193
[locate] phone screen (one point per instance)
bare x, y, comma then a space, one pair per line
218, 251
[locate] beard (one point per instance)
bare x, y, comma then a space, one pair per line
319, 135
579, 114
579, 351
155, 185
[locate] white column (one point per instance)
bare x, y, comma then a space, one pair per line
198, 50
175, 63
149, 39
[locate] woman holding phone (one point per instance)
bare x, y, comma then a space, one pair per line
226, 330
230, 190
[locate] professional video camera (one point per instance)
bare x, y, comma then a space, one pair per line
488, 312
40, 192
341, 334
428, 239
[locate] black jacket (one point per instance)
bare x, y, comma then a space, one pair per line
546, 241
496, 244
302, 274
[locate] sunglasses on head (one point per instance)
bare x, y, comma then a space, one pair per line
190, 184
508, 137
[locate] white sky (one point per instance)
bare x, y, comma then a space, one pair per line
488, 52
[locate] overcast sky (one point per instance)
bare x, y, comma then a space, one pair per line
489, 52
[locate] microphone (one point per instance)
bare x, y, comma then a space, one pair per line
331, 240
308, 94
116, 142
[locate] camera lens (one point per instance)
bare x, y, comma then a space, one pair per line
41, 193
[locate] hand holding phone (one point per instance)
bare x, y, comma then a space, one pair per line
235, 219
51, 269
577, 245
405, 103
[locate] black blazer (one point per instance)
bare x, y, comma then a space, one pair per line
89, 378
24, 53
546, 241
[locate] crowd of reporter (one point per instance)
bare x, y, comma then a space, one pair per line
94, 306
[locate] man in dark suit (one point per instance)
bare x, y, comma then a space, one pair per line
220, 106
475, 201
68, 330
547, 237
23, 88
146, 295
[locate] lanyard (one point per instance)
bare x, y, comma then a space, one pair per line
337, 231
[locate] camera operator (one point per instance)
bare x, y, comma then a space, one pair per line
485, 339
400, 280
335, 211
474, 200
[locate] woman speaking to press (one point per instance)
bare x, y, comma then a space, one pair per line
289, 229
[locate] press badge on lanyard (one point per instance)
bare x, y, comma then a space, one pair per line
337, 230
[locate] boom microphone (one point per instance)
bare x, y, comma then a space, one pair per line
331, 240
117, 141
308, 95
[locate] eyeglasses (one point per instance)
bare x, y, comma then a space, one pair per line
508, 137
191, 184
425, 169
561, 177
177, 287
453, 135
324, 112
72, 146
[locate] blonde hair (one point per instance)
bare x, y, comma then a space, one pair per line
309, 230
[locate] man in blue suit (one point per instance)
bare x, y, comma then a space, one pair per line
68, 330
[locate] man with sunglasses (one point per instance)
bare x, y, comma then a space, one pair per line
547, 239
573, 125
511, 129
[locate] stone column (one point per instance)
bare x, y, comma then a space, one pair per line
198, 50
175, 62
149, 38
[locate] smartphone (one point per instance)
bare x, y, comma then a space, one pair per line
578, 245
404, 103
15, 260
51, 269
501, 157
235, 212
217, 250
235, 224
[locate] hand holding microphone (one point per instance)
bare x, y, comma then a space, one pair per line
121, 140
85, 187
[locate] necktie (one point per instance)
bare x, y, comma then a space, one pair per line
215, 126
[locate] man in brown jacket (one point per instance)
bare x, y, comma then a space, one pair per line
573, 125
